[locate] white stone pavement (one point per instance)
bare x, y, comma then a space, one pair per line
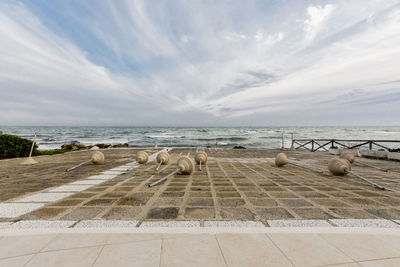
17, 207
208, 246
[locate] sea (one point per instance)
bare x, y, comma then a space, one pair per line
228, 137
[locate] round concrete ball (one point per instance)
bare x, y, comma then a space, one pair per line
185, 165
281, 160
348, 155
142, 157
164, 157
339, 166
201, 156
97, 157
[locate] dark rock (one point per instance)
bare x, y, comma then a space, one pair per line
121, 145
239, 147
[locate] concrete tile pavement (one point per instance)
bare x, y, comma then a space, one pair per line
210, 247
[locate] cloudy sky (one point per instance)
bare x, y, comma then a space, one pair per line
200, 63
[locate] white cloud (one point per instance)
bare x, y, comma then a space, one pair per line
189, 63
317, 16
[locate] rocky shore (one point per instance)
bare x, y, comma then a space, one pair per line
83, 147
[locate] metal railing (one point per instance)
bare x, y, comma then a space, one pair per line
322, 144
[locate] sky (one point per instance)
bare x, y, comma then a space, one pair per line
199, 63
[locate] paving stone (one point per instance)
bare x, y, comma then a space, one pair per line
325, 188
385, 213
265, 202
236, 214
123, 189
295, 202
200, 194
282, 194
352, 213
199, 213
119, 213
197, 188
112, 173
84, 195
113, 195
273, 188
228, 194
176, 202
389, 201
224, 189
14, 210
256, 194
312, 194
162, 213
70, 188
43, 197
200, 202
137, 199
300, 188
100, 202
362, 202
231, 202
44, 213
82, 213
174, 189
273, 213
340, 194
172, 194
68, 202
102, 177
329, 202
312, 213
87, 181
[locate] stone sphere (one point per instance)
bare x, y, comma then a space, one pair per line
142, 157
348, 155
164, 157
185, 165
97, 157
339, 166
281, 160
201, 156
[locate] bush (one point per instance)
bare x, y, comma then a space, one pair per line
12, 146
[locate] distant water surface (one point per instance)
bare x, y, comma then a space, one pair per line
265, 137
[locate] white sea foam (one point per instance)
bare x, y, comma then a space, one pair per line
266, 137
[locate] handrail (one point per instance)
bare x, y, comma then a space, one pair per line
350, 140
302, 143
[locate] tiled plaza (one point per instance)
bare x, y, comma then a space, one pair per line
234, 185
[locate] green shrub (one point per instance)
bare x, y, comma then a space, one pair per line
12, 146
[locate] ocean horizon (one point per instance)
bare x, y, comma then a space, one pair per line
52, 137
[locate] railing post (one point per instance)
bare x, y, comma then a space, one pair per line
312, 145
292, 146
370, 145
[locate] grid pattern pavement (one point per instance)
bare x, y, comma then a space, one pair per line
235, 185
